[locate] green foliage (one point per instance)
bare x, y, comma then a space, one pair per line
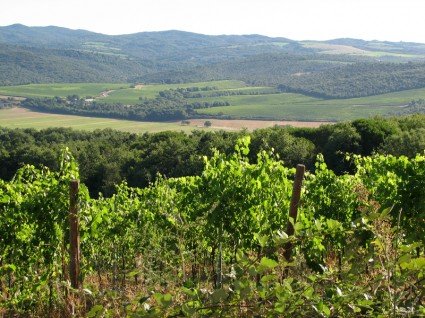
397, 183
414, 107
291, 150
23, 65
352, 254
356, 80
408, 143
373, 132
109, 157
35, 232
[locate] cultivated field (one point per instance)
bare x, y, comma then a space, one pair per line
119, 93
252, 103
62, 90
300, 107
23, 118
131, 95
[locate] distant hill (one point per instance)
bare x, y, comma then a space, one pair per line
383, 46
336, 68
174, 45
24, 65
51, 36
179, 45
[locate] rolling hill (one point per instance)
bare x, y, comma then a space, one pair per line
340, 68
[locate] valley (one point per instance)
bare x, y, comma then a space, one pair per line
177, 174
218, 100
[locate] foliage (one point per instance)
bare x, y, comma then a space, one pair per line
171, 106
397, 184
356, 80
414, 107
23, 65
213, 244
108, 157
34, 224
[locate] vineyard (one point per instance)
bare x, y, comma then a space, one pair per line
220, 244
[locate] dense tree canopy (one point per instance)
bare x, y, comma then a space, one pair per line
107, 157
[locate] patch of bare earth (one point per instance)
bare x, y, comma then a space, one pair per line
236, 124
106, 93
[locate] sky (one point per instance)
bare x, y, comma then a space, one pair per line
390, 20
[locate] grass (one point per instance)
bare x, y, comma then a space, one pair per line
62, 90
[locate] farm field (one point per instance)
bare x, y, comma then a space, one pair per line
61, 90
300, 107
304, 111
248, 103
131, 95
120, 91
23, 118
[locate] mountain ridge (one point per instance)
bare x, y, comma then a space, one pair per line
335, 40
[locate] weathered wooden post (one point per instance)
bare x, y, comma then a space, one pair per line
293, 209
74, 236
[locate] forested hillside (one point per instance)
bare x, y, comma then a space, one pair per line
25, 65
315, 75
356, 80
53, 54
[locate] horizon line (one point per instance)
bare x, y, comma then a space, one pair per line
206, 34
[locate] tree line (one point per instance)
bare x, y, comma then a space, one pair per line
107, 157
168, 105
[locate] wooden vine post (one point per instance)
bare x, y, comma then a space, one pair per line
293, 209
74, 236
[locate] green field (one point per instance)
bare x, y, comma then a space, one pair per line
120, 93
62, 90
300, 107
131, 95
23, 118
284, 106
